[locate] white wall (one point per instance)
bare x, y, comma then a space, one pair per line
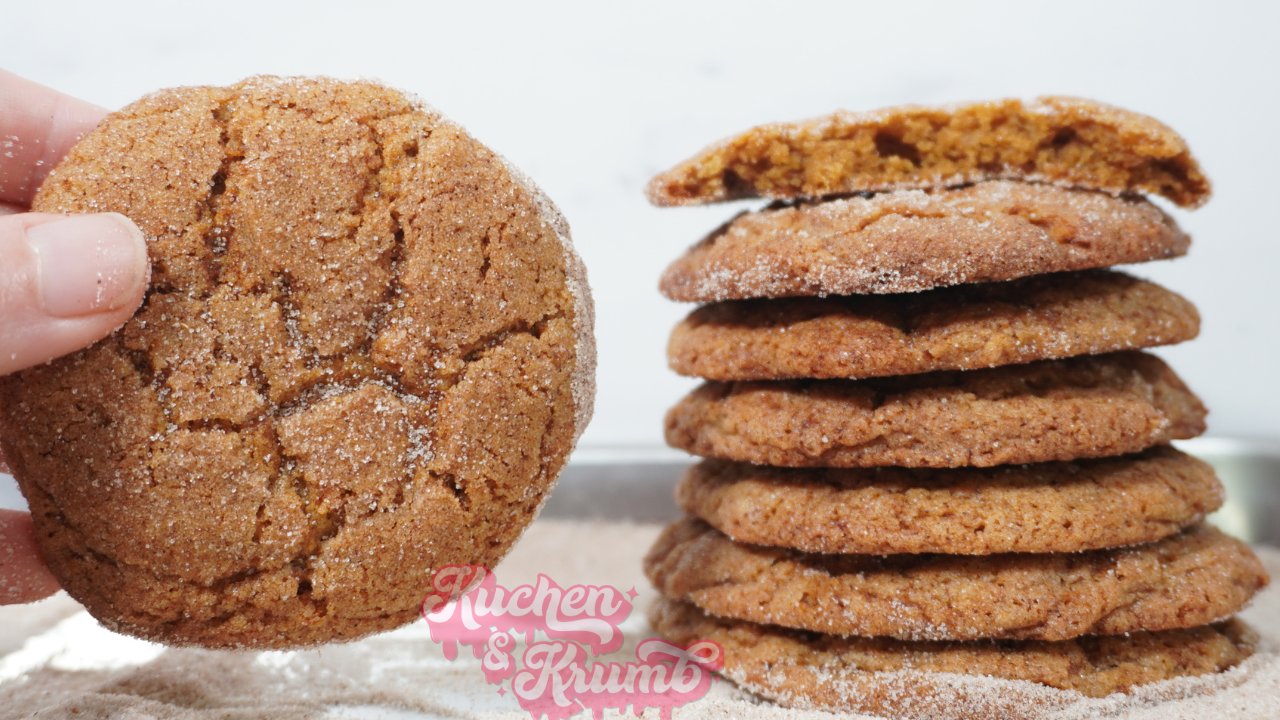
593, 98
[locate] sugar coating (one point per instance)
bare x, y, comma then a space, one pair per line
584, 311
1088, 406
957, 328
365, 352
1066, 141
1196, 577
1040, 508
913, 240
940, 679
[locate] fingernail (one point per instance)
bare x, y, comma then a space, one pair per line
88, 263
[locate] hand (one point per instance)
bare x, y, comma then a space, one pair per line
65, 281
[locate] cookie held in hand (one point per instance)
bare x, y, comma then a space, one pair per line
365, 353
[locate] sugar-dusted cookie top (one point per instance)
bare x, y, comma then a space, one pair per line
1193, 578
913, 240
365, 353
1060, 140
963, 327
1086, 406
954, 680
1039, 508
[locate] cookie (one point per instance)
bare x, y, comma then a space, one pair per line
1006, 679
1088, 406
959, 328
1042, 508
1065, 141
365, 353
913, 240
1193, 578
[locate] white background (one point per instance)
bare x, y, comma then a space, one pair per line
593, 98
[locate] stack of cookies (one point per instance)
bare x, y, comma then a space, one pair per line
938, 479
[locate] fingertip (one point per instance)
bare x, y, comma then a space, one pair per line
133, 262
24, 577
66, 282
88, 264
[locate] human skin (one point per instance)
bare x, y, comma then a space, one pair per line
65, 282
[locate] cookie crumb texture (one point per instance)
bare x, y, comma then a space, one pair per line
1062, 140
365, 353
1088, 406
949, 679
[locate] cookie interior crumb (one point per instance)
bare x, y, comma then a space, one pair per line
1067, 141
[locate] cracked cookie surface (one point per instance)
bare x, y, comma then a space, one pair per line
1062, 140
913, 240
949, 679
1040, 508
365, 353
1196, 577
1087, 406
965, 327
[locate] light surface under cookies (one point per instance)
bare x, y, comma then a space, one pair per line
900, 679
1089, 406
403, 674
958, 328
1193, 578
1067, 141
912, 240
1046, 507
365, 353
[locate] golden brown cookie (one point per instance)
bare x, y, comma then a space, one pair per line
1062, 140
1193, 578
957, 328
913, 240
1041, 508
949, 680
1088, 406
365, 353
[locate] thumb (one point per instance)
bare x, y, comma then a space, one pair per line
65, 282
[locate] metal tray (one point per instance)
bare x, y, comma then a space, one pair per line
1250, 471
